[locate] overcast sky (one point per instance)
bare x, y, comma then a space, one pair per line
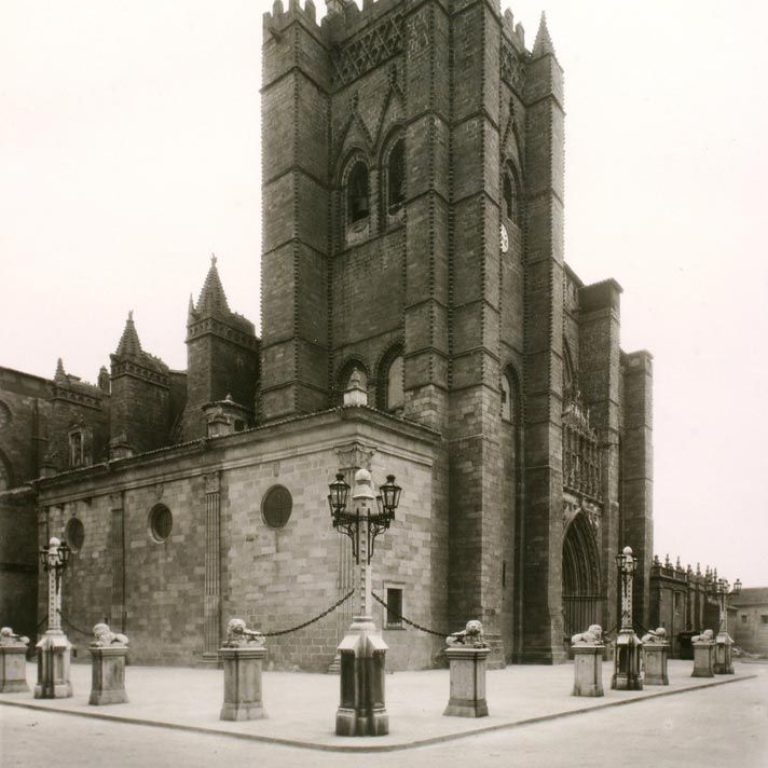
129, 151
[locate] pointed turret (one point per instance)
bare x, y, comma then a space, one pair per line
222, 356
129, 345
213, 300
60, 374
543, 44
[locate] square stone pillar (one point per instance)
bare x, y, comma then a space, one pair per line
703, 654
108, 675
588, 670
13, 668
53, 659
655, 655
242, 683
467, 669
723, 661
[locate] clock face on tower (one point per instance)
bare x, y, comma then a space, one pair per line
504, 239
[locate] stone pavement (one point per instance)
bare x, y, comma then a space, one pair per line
301, 707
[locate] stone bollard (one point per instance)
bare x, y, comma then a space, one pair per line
13, 661
467, 656
703, 651
108, 652
655, 654
588, 650
243, 654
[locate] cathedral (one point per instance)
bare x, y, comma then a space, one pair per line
418, 319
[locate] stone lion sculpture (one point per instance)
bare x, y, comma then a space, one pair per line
239, 635
9, 637
471, 636
707, 636
658, 635
104, 637
593, 636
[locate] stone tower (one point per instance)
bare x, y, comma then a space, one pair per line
222, 357
413, 232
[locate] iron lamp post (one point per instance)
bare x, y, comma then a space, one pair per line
626, 674
362, 651
723, 663
53, 649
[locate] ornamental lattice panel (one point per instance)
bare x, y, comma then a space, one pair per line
360, 56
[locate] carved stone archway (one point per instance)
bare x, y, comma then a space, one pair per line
582, 587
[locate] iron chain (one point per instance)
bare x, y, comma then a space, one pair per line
311, 621
408, 621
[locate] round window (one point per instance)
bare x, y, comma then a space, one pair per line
74, 534
160, 522
276, 507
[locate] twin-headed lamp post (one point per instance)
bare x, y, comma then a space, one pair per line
362, 711
723, 663
54, 648
626, 675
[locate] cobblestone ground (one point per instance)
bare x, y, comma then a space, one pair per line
725, 725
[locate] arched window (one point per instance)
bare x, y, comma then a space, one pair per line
396, 177
390, 394
510, 190
510, 397
358, 205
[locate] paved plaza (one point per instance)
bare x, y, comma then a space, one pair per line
182, 706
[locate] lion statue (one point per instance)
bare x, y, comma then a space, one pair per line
707, 636
9, 637
239, 635
104, 637
658, 635
593, 636
471, 636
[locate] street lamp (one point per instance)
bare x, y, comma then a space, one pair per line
53, 649
723, 663
626, 674
362, 650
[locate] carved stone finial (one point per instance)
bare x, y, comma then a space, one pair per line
471, 636
213, 259
238, 635
593, 636
104, 637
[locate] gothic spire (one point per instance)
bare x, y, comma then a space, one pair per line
212, 299
543, 44
60, 373
129, 342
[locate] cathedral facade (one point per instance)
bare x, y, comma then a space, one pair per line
412, 255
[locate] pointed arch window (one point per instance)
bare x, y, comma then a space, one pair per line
357, 193
510, 397
396, 177
391, 395
511, 194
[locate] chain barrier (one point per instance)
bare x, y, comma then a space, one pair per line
72, 626
408, 621
311, 621
42, 621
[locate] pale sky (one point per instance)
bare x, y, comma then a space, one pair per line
129, 151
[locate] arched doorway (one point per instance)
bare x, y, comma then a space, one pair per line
582, 590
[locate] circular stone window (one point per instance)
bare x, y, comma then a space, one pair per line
276, 507
74, 534
160, 522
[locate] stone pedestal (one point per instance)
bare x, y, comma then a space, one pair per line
242, 683
108, 675
703, 654
723, 661
53, 658
13, 668
655, 655
467, 666
588, 670
626, 664
362, 710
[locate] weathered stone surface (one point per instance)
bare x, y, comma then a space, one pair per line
242, 683
588, 670
467, 679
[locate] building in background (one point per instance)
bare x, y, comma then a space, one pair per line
748, 620
413, 247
